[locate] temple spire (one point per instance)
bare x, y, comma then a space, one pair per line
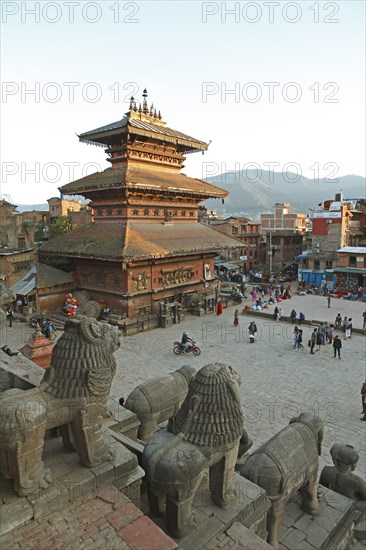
145, 108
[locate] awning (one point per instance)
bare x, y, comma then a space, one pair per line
26, 283
351, 270
227, 265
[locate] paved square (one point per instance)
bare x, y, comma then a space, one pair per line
278, 381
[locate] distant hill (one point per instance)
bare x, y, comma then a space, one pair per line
249, 197
27, 207
30, 207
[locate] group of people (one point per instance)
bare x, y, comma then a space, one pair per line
345, 324
293, 316
325, 333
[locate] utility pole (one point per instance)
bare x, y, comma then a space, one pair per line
270, 253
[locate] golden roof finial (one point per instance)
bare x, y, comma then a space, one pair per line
145, 108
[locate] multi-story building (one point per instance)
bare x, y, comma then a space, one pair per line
330, 229
145, 244
16, 244
350, 271
284, 231
62, 207
248, 232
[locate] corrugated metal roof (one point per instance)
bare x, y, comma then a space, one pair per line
26, 283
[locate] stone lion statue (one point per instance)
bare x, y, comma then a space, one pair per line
205, 433
72, 395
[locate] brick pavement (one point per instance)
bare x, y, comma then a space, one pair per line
109, 522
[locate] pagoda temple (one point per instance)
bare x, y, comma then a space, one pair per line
145, 244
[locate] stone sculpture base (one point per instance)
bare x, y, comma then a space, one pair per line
71, 482
39, 350
250, 509
332, 529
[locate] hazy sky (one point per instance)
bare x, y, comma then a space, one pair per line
277, 84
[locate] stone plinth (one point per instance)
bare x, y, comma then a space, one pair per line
250, 509
38, 349
332, 529
71, 482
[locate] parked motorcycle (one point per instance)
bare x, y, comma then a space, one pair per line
47, 327
178, 348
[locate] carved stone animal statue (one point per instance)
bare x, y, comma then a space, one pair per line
158, 399
73, 394
205, 433
339, 478
286, 463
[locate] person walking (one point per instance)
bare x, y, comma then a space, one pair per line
330, 334
236, 318
323, 333
363, 402
344, 324
299, 340
9, 315
296, 332
348, 333
337, 345
252, 332
319, 339
312, 341
219, 308
328, 300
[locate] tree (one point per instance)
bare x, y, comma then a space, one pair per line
62, 225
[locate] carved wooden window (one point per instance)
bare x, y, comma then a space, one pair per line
109, 212
156, 212
119, 212
100, 212
191, 214
21, 242
146, 212
135, 212
184, 213
175, 213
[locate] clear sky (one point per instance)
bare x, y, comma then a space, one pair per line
296, 72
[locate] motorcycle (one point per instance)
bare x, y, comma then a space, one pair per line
47, 327
178, 348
